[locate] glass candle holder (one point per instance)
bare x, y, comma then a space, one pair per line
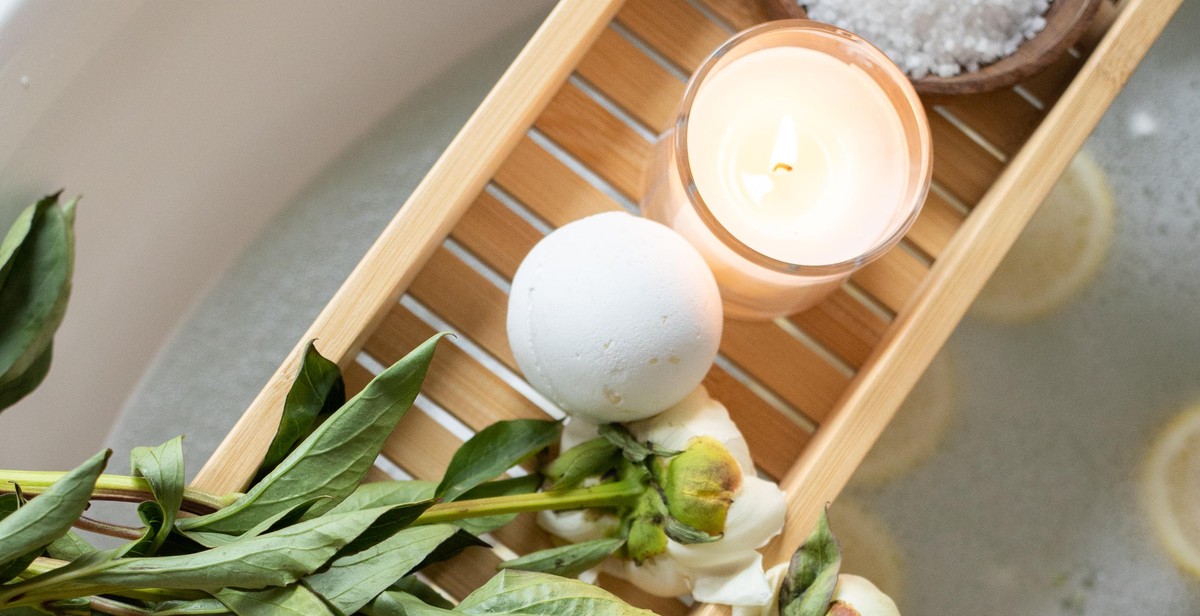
800, 154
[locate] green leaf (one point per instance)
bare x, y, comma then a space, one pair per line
336, 456
190, 608
69, 547
28, 381
36, 285
16, 236
153, 522
584, 460
812, 575
398, 603
317, 393
568, 560
528, 593
9, 503
386, 493
353, 580
295, 600
411, 585
162, 468
279, 558
280, 520
21, 611
50, 515
494, 450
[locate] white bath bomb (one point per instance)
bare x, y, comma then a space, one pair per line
614, 318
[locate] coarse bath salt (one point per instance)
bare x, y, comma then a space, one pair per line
937, 37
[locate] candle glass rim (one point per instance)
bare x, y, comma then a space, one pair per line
923, 137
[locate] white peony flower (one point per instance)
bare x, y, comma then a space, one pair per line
857, 596
727, 571
853, 596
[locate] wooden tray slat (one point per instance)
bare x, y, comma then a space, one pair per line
487, 226
791, 369
1048, 86
597, 138
544, 184
467, 301
738, 15
674, 29
632, 80
892, 278
961, 165
1003, 117
844, 326
935, 226
456, 382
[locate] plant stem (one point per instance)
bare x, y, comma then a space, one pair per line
107, 528
111, 487
617, 494
105, 605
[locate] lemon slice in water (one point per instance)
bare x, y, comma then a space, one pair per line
1171, 489
917, 429
1057, 253
868, 549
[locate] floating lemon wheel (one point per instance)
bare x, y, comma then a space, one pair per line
1171, 489
1057, 253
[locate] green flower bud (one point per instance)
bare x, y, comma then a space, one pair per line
700, 484
646, 535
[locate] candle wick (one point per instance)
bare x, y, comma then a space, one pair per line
781, 167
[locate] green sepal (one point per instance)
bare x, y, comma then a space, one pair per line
812, 574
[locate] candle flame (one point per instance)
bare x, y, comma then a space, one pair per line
783, 157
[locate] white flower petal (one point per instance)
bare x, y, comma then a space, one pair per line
578, 525
860, 594
775, 577
576, 431
658, 576
755, 517
740, 583
696, 415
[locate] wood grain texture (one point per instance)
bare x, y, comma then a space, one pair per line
434, 207
845, 326
961, 165
892, 278
674, 28
1004, 118
542, 182
935, 225
737, 15
632, 80
597, 138
456, 381
488, 225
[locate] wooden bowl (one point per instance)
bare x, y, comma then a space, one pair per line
1066, 21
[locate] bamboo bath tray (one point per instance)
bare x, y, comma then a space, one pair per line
565, 134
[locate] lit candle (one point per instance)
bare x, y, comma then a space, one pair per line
800, 154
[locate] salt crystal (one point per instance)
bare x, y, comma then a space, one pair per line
937, 36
